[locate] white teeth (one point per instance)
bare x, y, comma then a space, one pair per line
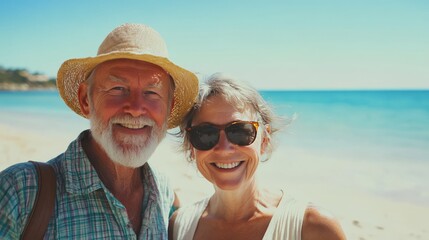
132, 126
227, 165
132, 122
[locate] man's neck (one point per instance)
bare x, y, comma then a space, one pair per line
124, 183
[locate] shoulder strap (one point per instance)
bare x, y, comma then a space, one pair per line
288, 219
44, 204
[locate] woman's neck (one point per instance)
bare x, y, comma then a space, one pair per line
242, 204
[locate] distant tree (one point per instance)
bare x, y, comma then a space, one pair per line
21, 76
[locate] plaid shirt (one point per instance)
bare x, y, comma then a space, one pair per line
84, 208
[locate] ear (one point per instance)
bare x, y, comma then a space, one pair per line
265, 138
83, 99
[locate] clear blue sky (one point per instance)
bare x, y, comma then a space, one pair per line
299, 44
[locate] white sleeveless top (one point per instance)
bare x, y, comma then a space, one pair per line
286, 223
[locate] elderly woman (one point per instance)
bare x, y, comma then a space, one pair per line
227, 132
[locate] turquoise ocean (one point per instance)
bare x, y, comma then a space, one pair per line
386, 125
388, 130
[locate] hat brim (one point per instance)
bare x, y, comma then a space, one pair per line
75, 71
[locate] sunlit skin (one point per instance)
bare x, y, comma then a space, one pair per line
130, 87
124, 87
234, 202
218, 111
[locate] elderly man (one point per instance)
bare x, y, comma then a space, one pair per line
132, 94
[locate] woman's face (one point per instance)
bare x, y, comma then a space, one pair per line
226, 165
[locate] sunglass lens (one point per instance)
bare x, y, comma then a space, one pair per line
242, 134
204, 137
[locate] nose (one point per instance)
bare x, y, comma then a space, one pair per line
223, 144
135, 105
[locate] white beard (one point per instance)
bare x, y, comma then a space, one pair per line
129, 151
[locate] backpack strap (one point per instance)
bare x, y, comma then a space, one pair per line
44, 204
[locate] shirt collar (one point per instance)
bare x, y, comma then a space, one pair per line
80, 175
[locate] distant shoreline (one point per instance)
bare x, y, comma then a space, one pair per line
24, 87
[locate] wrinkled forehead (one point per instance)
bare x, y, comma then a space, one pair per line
154, 81
118, 69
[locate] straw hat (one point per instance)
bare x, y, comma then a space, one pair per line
130, 41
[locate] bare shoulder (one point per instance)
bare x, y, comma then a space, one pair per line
320, 224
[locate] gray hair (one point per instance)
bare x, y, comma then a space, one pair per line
243, 97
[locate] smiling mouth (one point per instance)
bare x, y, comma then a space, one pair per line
132, 125
227, 165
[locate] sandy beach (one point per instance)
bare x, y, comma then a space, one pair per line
344, 187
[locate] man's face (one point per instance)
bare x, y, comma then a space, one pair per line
129, 103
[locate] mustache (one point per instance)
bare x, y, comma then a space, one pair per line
130, 120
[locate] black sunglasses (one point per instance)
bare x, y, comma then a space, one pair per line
205, 136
